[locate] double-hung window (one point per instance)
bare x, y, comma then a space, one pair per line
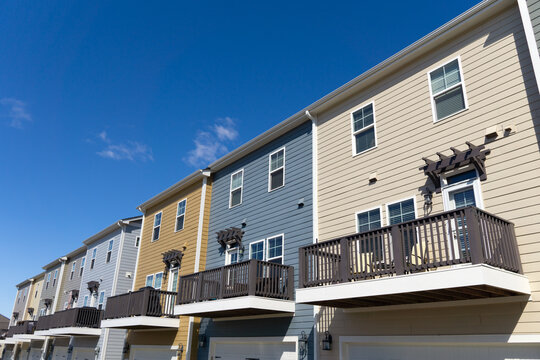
370, 247
150, 280
137, 241
101, 300
275, 249
447, 90
157, 226
256, 250
363, 129
237, 184
72, 270
158, 280
83, 261
48, 281
55, 277
180, 215
368, 220
93, 261
109, 251
403, 211
85, 302
276, 171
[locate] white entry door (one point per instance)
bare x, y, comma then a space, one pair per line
60, 353
254, 350
151, 353
83, 353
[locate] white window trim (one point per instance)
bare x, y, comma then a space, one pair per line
107, 260
354, 133
48, 281
270, 171
240, 187
177, 216
158, 226
432, 96
398, 201
447, 189
83, 263
228, 253
85, 301
366, 210
282, 249
137, 241
99, 302
146, 281
55, 277
72, 272
93, 259
264, 247
155, 276
171, 278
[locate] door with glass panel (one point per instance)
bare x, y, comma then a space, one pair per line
171, 287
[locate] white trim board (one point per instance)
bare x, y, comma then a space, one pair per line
466, 275
141, 321
243, 302
68, 331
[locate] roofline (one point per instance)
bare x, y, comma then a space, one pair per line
119, 224
54, 262
76, 252
188, 180
354, 85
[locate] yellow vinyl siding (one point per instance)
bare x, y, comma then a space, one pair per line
33, 302
501, 90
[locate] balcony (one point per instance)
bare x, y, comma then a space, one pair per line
22, 328
76, 321
464, 254
146, 308
247, 288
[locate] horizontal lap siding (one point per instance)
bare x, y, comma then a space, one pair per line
35, 296
501, 90
128, 260
534, 12
50, 291
20, 301
70, 284
266, 214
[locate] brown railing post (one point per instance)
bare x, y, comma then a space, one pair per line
472, 227
344, 268
290, 284
302, 267
515, 247
252, 277
222, 283
397, 248
146, 298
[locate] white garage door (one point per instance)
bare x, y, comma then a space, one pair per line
83, 353
35, 354
458, 352
152, 353
255, 351
59, 353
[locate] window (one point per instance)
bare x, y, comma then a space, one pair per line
42, 312
93, 261
54, 278
368, 220
237, 183
150, 280
24, 294
19, 298
83, 260
275, 249
137, 241
65, 305
447, 90
35, 295
256, 250
72, 270
158, 279
401, 211
109, 251
101, 300
232, 256
363, 129
85, 303
180, 214
157, 226
276, 172
48, 280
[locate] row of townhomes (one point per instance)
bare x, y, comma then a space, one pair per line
398, 217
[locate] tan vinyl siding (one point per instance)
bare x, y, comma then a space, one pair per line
33, 302
501, 90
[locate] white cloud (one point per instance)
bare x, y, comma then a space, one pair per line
16, 112
211, 144
130, 150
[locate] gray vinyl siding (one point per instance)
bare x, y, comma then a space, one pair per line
267, 214
534, 12
70, 284
50, 291
129, 260
20, 302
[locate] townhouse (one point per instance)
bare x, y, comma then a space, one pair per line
173, 244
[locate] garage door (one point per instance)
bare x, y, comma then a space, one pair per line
152, 353
255, 351
59, 353
35, 354
83, 353
461, 352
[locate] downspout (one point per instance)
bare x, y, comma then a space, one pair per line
531, 39
60, 281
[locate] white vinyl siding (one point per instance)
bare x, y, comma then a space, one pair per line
180, 215
276, 172
363, 129
447, 90
157, 226
237, 183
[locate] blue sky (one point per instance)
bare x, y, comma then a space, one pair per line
105, 104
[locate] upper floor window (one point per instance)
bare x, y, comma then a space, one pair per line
256, 250
93, 260
83, 260
150, 280
72, 270
180, 215
158, 280
109, 251
276, 172
368, 220
447, 90
275, 249
157, 226
401, 211
48, 281
55, 277
237, 184
101, 300
85, 302
363, 129
137, 241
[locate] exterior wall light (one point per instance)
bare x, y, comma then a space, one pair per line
179, 351
202, 340
327, 341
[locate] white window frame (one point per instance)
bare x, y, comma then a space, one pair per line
264, 247
447, 189
267, 248
433, 96
93, 259
85, 301
146, 281
176, 229
55, 277
155, 276
72, 273
398, 201
354, 133
228, 253
101, 300
170, 284
158, 226
366, 210
48, 281
137, 241
108, 255
240, 187
270, 171
83, 263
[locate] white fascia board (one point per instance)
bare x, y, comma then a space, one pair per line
28, 337
146, 321
67, 331
243, 302
460, 276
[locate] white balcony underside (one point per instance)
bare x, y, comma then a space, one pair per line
69, 331
237, 304
141, 322
28, 337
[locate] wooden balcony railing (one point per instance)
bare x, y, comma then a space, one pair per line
467, 235
251, 277
145, 302
77, 317
22, 327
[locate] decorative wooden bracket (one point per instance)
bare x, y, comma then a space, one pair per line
172, 258
232, 236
